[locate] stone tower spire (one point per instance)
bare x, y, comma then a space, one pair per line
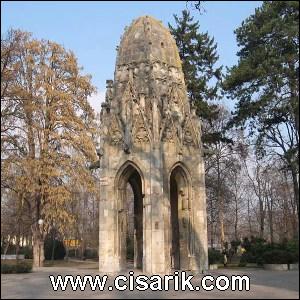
147, 126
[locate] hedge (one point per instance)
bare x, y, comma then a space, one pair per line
214, 256
18, 267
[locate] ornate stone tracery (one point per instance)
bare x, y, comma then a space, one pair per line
116, 135
140, 130
189, 134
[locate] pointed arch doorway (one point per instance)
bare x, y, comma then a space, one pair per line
180, 218
130, 216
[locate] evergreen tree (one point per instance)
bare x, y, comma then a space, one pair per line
265, 82
198, 52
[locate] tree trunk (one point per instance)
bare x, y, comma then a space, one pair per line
53, 248
249, 216
37, 249
296, 193
82, 248
296, 189
6, 246
222, 233
67, 252
212, 224
236, 220
221, 206
261, 205
258, 193
18, 238
17, 245
262, 219
84, 234
270, 213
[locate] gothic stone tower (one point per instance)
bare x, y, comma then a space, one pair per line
150, 138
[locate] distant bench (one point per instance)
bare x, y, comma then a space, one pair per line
12, 256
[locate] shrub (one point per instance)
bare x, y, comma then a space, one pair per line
276, 257
214, 256
53, 245
7, 268
259, 247
90, 253
234, 245
293, 246
246, 244
260, 261
293, 257
260, 252
59, 249
23, 267
72, 252
27, 251
16, 267
248, 257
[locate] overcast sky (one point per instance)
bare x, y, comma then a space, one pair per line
92, 30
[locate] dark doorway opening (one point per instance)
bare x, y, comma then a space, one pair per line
131, 218
175, 252
180, 231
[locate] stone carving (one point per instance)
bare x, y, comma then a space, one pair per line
169, 133
122, 73
140, 133
149, 112
189, 136
159, 71
150, 140
175, 76
116, 135
109, 91
176, 103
